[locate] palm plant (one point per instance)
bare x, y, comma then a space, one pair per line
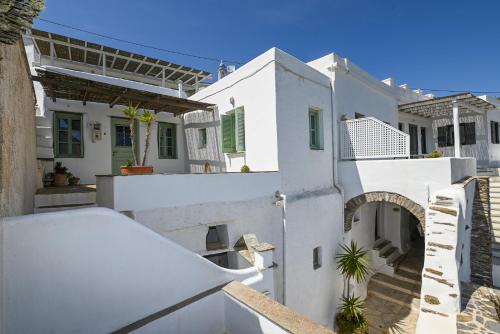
147, 117
131, 113
353, 265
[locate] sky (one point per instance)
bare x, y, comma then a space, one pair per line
439, 44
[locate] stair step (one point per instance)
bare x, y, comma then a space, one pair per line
412, 289
495, 245
495, 226
408, 276
381, 245
396, 261
496, 233
383, 292
388, 252
495, 253
403, 267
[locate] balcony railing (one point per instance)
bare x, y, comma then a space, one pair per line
370, 138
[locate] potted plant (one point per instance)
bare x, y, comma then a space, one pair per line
245, 169
73, 180
147, 117
353, 266
60, 175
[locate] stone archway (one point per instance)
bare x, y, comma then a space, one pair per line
381, 196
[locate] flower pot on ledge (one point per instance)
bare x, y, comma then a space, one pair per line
60, 180
136, 170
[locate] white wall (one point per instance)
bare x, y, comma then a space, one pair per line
494, 149
97, 156
95, 270
413, 178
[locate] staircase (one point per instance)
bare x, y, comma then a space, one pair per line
386, 257
64, 198
392, 304
495, 218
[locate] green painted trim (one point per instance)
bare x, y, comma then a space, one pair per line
165, 125
55, 134
314, 129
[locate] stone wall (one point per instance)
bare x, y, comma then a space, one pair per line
480, 251
18, 165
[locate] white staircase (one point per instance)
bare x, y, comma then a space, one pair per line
495, 218
64, 198
386, 257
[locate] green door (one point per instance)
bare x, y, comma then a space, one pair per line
121, 144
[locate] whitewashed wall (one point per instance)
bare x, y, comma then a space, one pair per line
97, 156
494, 149
95, 271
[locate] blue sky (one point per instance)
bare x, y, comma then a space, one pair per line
451, 45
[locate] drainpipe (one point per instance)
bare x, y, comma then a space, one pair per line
335, 137
281, 201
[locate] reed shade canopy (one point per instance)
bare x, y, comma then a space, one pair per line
87, 87
443, 106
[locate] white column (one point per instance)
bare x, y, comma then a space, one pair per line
52, 53
103, 64
163, 77
456, 129
180, 88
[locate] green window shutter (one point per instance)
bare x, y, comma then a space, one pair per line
68, 135
240, 129
228, 134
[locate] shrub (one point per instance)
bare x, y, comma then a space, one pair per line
435, 154
351, 326
60, 169
245, 169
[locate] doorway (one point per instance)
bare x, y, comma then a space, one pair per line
413, 131
121, 144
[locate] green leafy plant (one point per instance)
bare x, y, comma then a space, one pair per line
60, 169
130, 163
131, 113
352, 264
435, 154
148, 118
245, 169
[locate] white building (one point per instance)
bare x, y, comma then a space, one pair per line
328, 163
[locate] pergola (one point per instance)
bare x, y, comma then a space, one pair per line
87, 87
448, 105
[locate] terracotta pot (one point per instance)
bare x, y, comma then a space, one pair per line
136, 170
74, 181
60, 180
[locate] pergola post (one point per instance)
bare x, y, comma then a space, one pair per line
456, 129
104, 64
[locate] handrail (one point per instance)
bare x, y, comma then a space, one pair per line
370, 138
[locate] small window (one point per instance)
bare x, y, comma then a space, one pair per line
217, 237
202, 134
467, 134
317, 260
167, 141
401, 126
233, 131
68, 134
315, 135
495, 135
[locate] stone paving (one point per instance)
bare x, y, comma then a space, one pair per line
393, 306
479, 314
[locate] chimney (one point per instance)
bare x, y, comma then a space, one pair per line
221, 70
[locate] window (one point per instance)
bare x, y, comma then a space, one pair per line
358, 115
423, 140
495, 135
413, 131
68, 132
233, 131
167, 141
315, 129
122, 136
401, 126
317, 258
202, 134
467, 134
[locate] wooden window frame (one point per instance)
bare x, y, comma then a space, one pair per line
56, 141
315, 129
172, 126
467, 137
233, 139
495, 135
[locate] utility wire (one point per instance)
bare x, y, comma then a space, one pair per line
138, 44
216, 59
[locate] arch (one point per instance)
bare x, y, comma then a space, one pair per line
381, 196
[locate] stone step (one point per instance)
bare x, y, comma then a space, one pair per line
495, 239
412, 289
396, 261
414, 271
496, 233
494, 185
385, 293
495, 253
380, 244
63, 207
495, 206
388, 252
495, 226
496, 261
407, 276
495, 246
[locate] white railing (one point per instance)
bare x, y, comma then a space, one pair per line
370, 138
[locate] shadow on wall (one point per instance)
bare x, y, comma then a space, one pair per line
478, 151
199, 153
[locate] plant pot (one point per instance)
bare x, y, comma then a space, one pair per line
74, 181
60, 180
136, 170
